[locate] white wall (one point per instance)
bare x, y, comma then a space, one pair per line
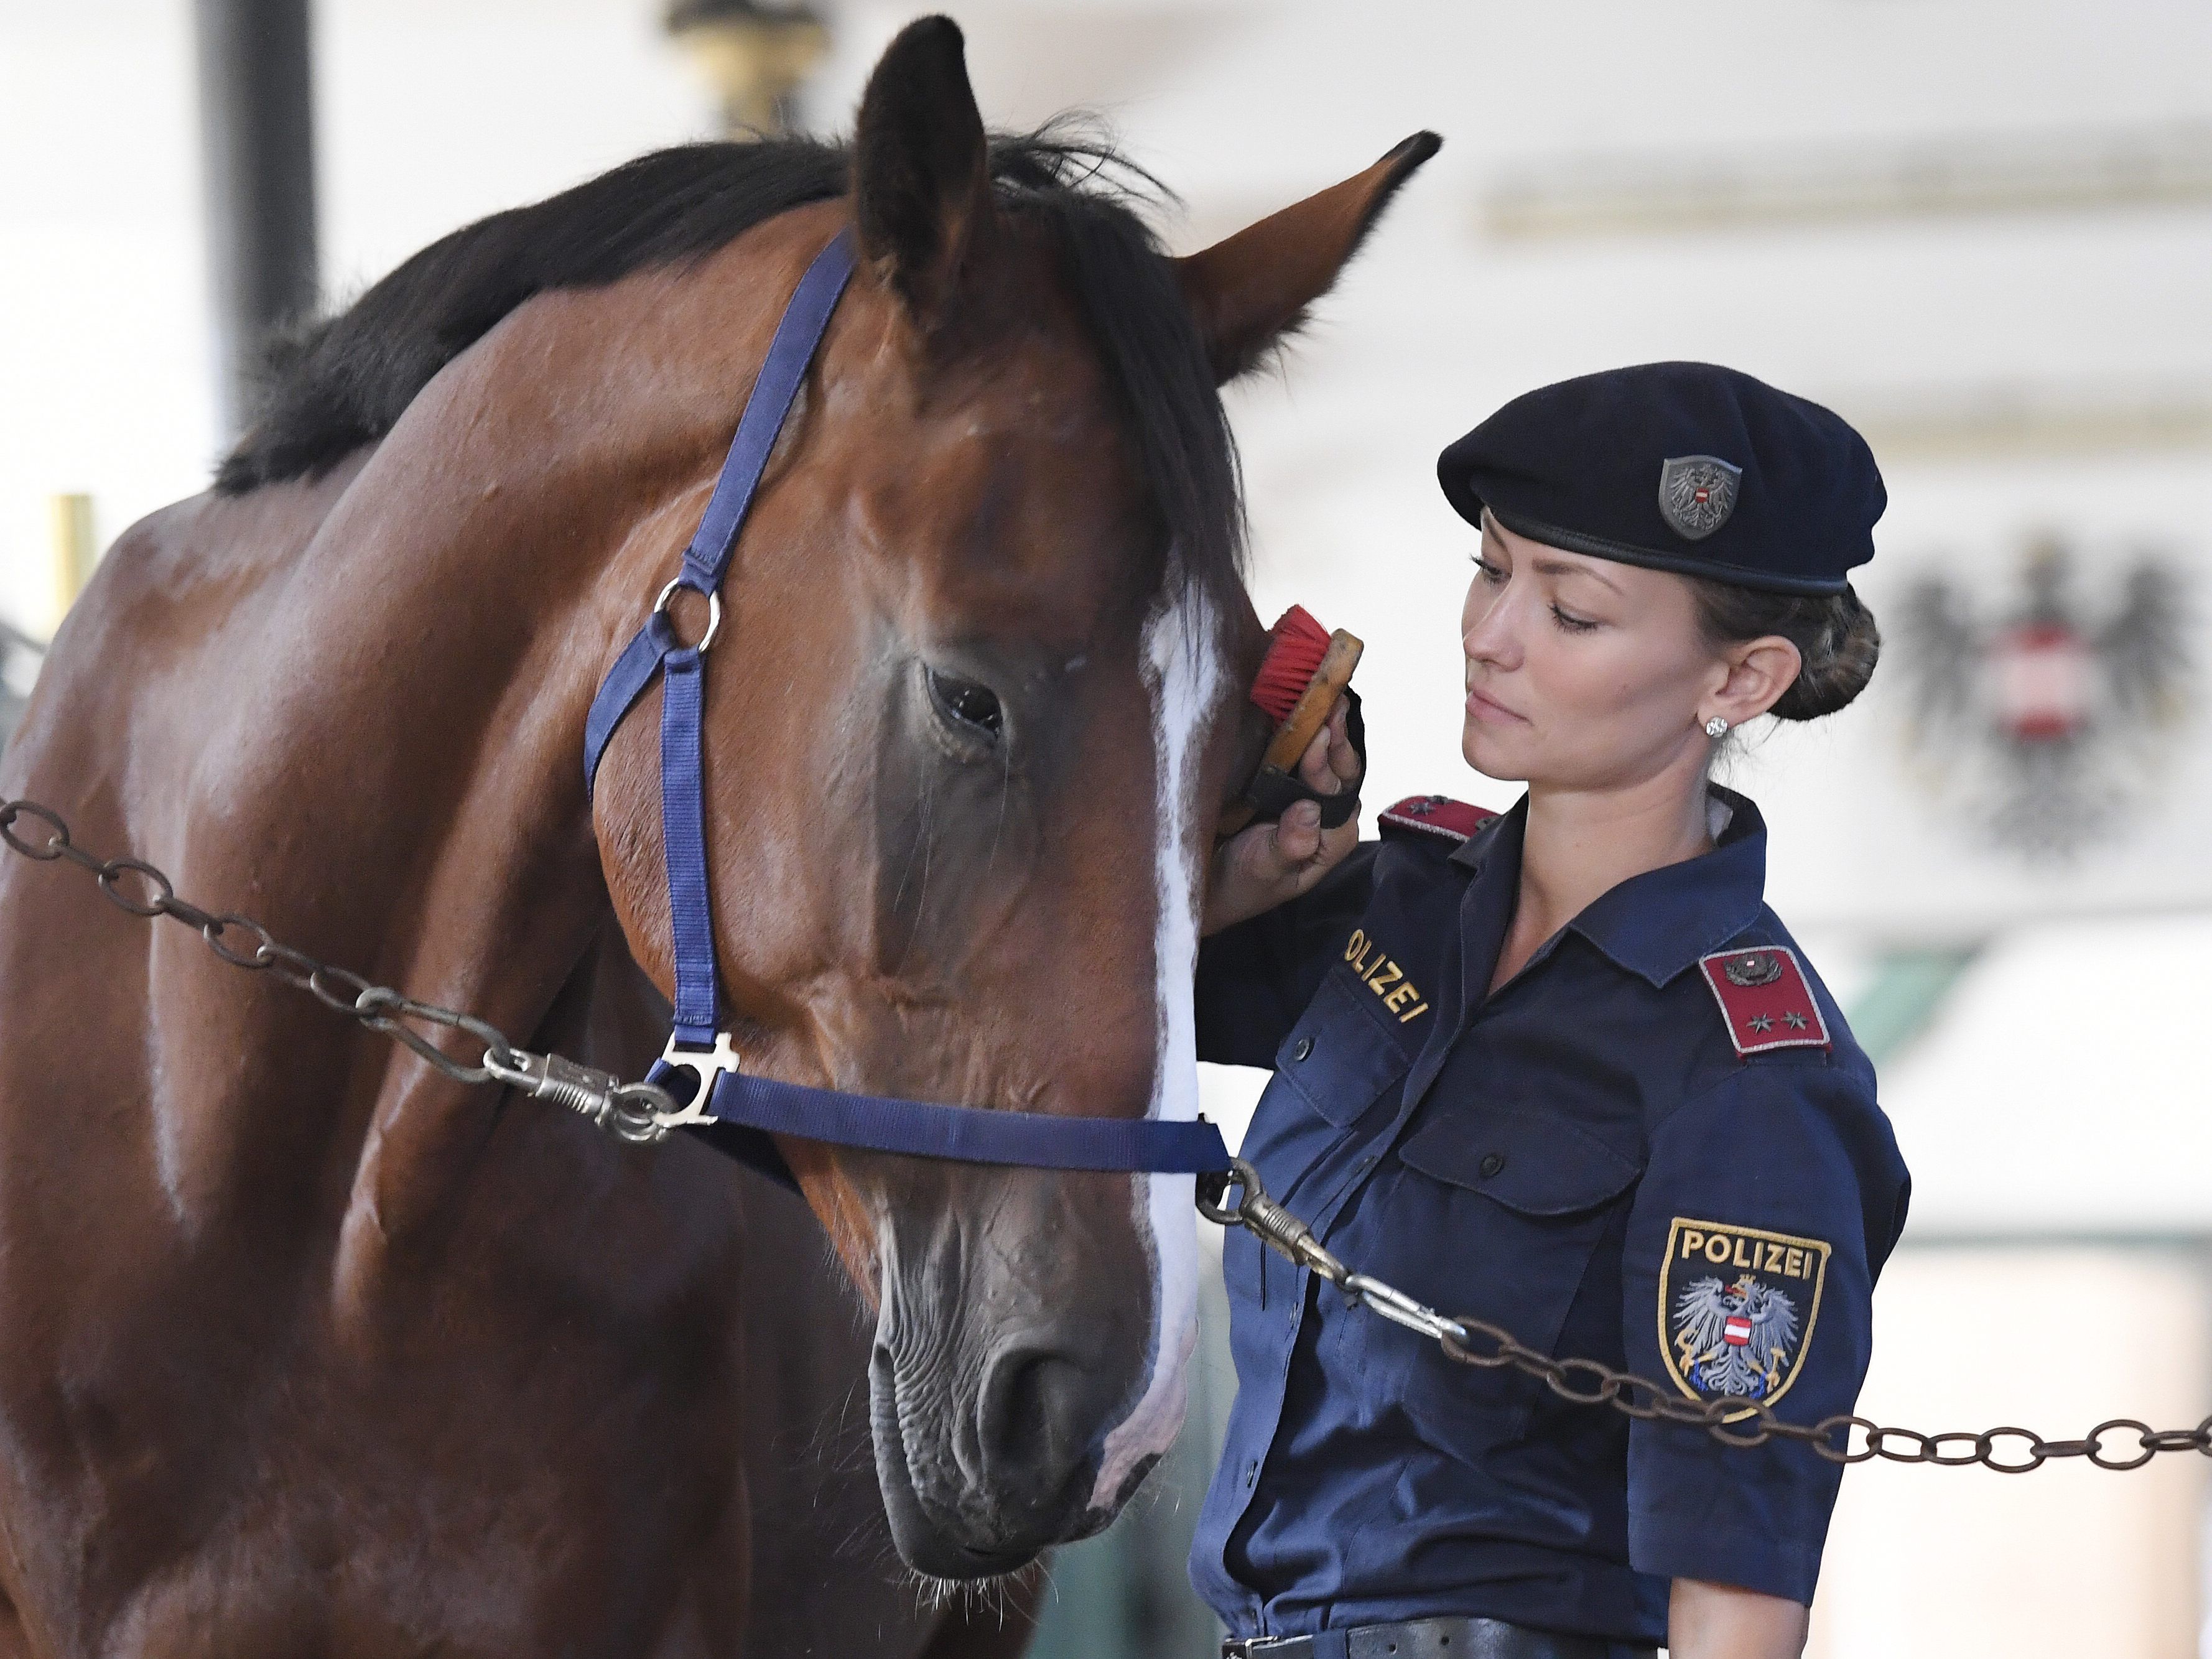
429, 114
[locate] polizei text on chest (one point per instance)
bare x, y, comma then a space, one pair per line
1380, 974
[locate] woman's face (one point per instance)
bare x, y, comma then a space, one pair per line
1583, 673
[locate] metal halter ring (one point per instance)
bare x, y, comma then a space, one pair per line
713, 610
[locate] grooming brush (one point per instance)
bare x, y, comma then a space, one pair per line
1305, 671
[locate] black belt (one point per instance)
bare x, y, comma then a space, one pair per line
1440, 1639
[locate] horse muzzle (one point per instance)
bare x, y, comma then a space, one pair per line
989, 1458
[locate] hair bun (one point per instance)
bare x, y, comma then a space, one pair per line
1835, 634
1839, 659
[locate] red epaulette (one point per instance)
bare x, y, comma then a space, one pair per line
1436, 815
1764, 999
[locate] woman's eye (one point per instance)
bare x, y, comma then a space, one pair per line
967, 704
1489, 572
1572, 624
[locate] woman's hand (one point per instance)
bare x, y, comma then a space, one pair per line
1719, 1621
1259, 868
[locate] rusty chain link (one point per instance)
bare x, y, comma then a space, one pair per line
1732, 1421
635, 1112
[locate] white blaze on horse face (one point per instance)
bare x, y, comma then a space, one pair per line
1183, 672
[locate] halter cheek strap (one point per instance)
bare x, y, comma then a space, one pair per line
747, 1109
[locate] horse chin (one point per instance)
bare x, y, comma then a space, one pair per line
962, 1534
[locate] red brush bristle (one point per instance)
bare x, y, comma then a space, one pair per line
1295, 645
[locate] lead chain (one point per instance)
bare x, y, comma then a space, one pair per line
1733, 1422
635, 1112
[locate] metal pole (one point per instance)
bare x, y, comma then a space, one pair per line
257, 128
75, 550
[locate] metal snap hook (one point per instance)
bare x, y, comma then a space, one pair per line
713, 610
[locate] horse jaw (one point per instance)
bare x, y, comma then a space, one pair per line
1182, 676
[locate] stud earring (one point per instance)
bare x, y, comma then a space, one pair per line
1716, 727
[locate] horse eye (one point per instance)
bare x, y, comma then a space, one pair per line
966, 703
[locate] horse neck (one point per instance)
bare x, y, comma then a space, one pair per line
403, 779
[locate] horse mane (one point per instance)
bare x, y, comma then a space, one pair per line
333, 384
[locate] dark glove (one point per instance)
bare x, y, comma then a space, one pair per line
1274, 792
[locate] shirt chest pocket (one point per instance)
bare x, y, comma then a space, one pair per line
1337, 1066
1338, 1059
1494, 1214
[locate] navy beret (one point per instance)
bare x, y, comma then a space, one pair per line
1681, 466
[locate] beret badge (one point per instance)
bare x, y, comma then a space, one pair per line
1696, 493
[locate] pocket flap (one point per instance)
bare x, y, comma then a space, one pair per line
1534, 1164
1337, 1057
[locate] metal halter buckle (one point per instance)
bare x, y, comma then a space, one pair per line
705, 1065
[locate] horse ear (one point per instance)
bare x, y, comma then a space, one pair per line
922, 183
1250, 290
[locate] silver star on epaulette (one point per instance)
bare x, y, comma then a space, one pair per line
1761, 1023
1795, 1021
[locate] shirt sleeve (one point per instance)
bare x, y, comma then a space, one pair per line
1770, 1202
1255, 979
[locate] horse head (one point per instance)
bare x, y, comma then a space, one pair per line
972, 712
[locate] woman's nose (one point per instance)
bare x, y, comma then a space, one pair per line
1488, 634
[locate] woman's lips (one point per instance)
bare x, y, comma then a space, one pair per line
1491, 710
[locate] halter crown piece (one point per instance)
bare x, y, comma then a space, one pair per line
721, 1093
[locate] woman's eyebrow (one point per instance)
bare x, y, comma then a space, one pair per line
1562, 568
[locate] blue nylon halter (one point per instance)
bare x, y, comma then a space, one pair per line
722, 1096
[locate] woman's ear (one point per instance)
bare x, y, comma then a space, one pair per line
1759, 672
1247, 292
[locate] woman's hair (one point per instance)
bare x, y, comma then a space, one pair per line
1834, 633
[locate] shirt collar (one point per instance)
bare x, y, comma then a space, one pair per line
1659, 923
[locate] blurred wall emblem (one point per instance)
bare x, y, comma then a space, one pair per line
2043, 717
1696, 493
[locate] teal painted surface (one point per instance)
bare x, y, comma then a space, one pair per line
1909, 990
1124, 1595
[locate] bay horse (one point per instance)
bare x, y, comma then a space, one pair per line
310, 1349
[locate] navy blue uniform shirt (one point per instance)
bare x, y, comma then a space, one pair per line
1639, 1151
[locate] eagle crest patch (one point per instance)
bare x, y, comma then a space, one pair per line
1696, 493
1736, 1308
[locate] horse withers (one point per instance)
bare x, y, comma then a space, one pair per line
309, 1348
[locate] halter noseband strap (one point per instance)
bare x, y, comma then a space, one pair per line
757, 1106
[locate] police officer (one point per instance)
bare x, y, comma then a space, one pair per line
1563, 1070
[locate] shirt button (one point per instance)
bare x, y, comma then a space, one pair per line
1367, 1162
1251, 1474
1304, 1047
1492, 1163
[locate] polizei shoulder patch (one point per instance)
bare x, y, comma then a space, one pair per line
1439, 816
1764, 999
1736, 1308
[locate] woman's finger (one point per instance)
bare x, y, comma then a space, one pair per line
1343, 758
1298, 836
1318, 766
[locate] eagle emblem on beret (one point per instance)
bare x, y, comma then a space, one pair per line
1696, 493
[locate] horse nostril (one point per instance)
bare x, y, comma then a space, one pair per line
1030, 1408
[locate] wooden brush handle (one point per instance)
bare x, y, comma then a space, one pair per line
1322, 692
1306, 718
